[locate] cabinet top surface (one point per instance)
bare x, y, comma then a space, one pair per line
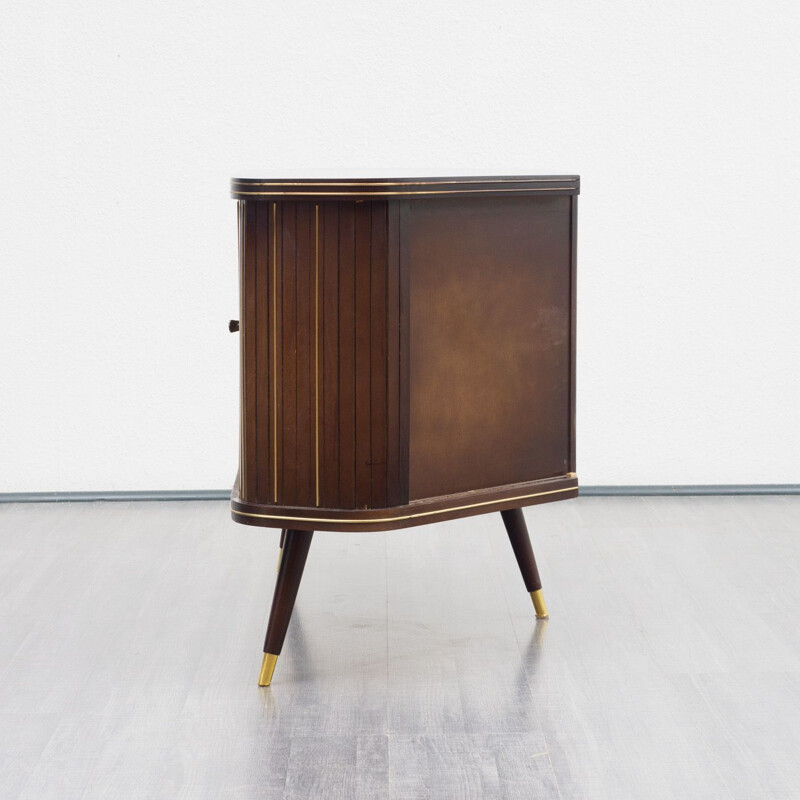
320, 186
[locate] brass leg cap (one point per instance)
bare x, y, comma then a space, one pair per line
539, 605
267, 668
280, 556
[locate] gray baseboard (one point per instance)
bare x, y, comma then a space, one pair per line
224, 494
84, 497
691, 489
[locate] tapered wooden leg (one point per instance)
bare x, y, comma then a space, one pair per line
293, 561
521, 545
280, 550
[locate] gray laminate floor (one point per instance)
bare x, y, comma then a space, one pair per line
130, 639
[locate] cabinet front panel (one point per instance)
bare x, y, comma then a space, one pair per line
489, 342
317, 351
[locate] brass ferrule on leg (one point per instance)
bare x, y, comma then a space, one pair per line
539, 605
267, 668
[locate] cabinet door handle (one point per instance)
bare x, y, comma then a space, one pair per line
233, 325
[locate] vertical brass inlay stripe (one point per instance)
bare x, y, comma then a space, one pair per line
275, 352
316, 345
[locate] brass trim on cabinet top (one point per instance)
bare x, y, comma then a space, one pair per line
400, 518
404, 194
369, 182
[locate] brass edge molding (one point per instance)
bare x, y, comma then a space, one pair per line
529, 190
275, 351
316, 347
368, 182
400, 518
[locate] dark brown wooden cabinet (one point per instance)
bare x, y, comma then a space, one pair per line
407, 356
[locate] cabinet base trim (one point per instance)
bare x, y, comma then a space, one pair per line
401, 517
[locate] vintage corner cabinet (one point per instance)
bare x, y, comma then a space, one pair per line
407, 356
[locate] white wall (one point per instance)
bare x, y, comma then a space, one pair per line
122, 122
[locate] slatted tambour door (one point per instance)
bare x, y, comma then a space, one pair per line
320, 348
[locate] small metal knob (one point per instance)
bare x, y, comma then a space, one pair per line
233, 325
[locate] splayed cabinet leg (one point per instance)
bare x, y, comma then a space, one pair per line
521, 545
290, 572
280, 550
